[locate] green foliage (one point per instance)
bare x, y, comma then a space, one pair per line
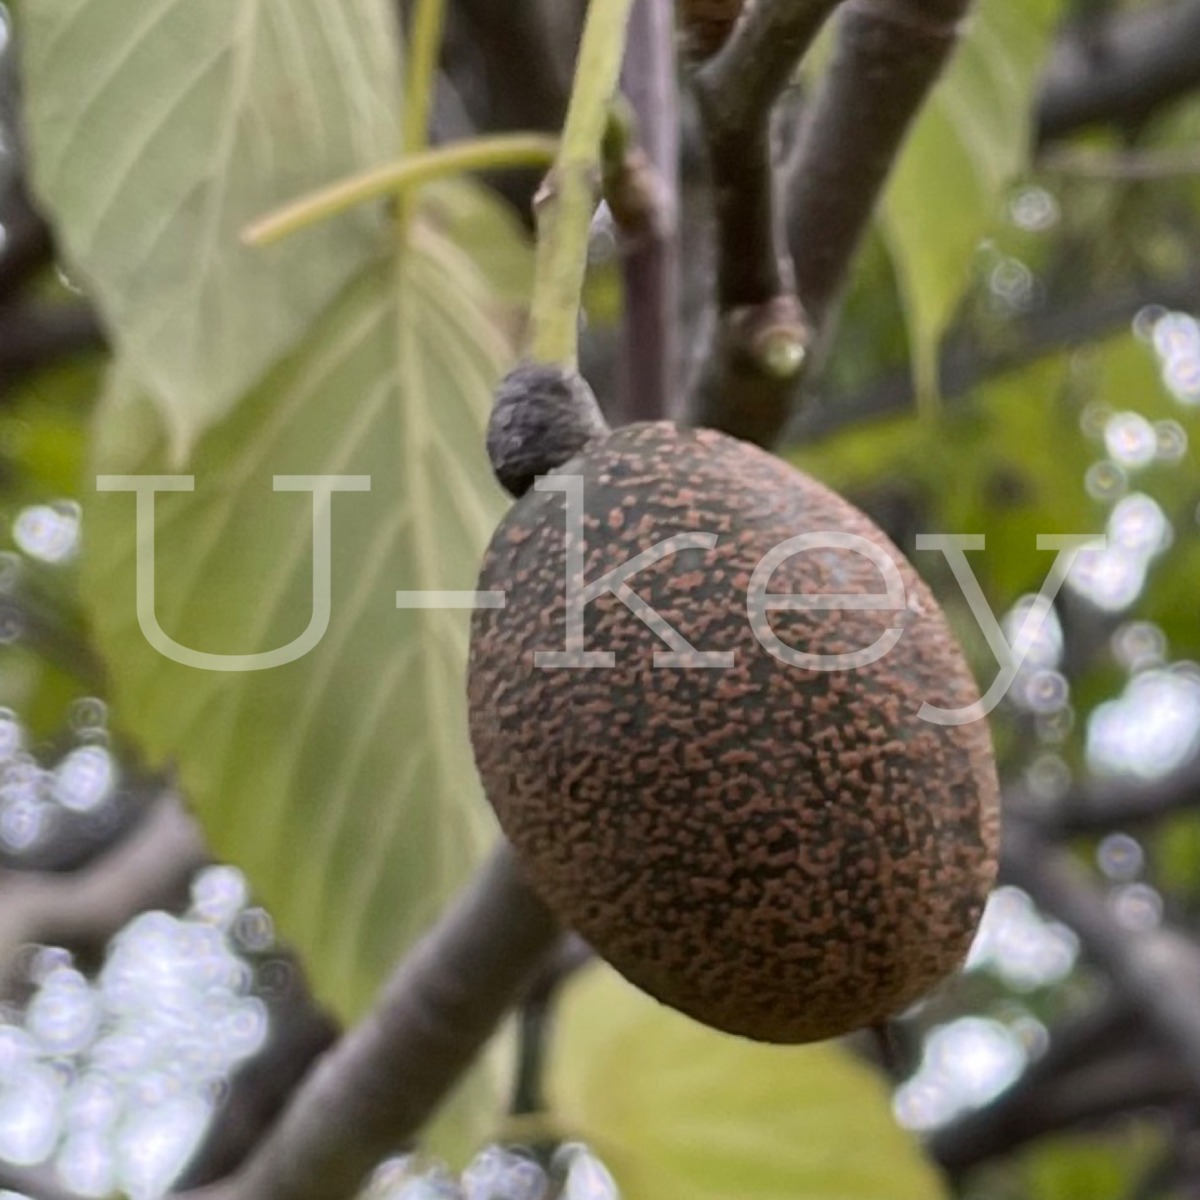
969, 144
342, 783
1125, 378
1175, 847
43, 442
1009, 464
43, 446
675, 1109
1109, 1168
157, 130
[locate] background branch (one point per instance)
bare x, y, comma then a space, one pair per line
32, 613
1114, 1082
1126, 166
707, 24
1034, 1104
80, 838
371, 1093
1157, 972
968, 359
299, 1033
33, 337
1099, 806
151, 868
1120, 68
27, 247
510, 67
649, 243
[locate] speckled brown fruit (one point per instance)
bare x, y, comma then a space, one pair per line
780, 852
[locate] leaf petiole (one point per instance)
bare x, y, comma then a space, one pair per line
398, 178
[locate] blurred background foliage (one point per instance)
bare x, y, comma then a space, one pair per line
1019, 354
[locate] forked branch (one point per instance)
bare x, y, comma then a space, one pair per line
777, 292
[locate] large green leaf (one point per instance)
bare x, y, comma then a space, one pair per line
969, 144
157, 128
341, 782
676, 1109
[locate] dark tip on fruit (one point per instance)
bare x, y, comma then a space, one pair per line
542, 417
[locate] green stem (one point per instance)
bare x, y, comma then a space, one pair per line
479, 154
424, 46
564, 216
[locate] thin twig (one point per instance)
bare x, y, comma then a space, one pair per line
969, 359
649, 249
1120, 166
537, 1021
749, 372
371, 1093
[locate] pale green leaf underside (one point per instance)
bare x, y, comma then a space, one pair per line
342, 783
969, 144
158, 128
676, 1109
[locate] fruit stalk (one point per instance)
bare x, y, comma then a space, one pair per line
568, 197
424, 43
424, 46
